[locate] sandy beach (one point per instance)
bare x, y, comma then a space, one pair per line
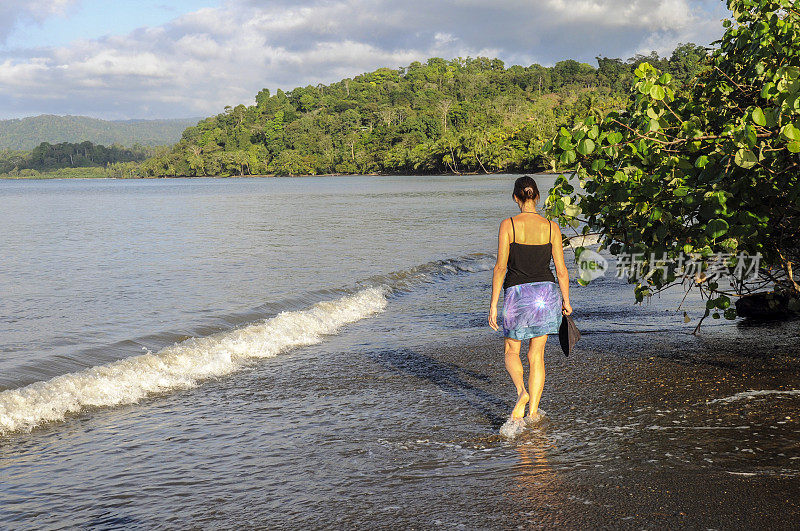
684, 464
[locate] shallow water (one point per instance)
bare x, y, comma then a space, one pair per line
378, 400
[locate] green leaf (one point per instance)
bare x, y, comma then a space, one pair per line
655, 215
751, 135
745, 158
585, 146
793, 146
701, 161
758, 117
614, 138
565, 143
598, 165
790, 132
657, 92
766, 92
772, 114
716, 228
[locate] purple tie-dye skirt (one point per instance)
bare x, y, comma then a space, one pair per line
531, 310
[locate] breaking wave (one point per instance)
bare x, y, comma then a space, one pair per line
187, 363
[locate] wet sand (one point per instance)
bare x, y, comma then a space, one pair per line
651, 430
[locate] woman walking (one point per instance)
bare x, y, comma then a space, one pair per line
533, 302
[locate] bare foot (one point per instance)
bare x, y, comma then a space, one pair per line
519, 409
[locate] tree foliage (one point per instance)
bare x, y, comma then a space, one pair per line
463, 115
710, 171
48, 157
27, 133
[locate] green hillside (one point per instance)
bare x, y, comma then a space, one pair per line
456, 116
27, 133
65, 159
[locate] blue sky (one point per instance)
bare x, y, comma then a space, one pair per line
150, 59
91, 19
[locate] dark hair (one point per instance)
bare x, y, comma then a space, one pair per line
525, 189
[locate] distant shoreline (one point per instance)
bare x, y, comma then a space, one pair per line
56, 175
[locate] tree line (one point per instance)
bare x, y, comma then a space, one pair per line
24, 134
457, 116
47, 157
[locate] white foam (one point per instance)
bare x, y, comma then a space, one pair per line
584, 241
753, 393
181, 365
512, 428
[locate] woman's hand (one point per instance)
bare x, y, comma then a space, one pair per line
566, 309
493, 317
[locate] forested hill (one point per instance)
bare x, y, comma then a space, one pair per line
462, 115
47, 158
27, 133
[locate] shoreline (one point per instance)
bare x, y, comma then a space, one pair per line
45, 177
692, 478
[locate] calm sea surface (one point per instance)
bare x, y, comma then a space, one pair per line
289, 352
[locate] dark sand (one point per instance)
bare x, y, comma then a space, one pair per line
631, 441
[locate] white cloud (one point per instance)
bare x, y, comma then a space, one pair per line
202, 61
15, 11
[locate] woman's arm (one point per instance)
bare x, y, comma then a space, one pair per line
561, 268
499, 273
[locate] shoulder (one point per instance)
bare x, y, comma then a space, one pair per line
555, 231
506, 228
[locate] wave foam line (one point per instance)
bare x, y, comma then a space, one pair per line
753, 393
182, 365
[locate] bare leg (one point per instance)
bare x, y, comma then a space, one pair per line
536, 376
514, 368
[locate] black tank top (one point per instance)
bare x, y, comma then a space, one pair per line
528, 263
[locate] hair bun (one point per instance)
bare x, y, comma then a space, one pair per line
525, 189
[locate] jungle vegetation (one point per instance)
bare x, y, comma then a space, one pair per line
700, 175
49, 158
24, 134
440, 116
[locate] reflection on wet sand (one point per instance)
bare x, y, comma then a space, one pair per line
538, 484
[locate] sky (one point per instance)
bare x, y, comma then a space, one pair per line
124, 59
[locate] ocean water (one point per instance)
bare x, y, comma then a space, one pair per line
314, 352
